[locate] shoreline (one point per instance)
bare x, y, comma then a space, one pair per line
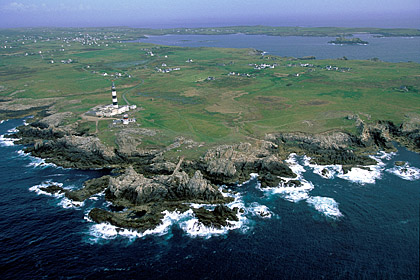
147, 185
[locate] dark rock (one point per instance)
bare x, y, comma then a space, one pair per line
218, 217
53, 189
91, 187
293, 183
268, 180
133, 188
127, 219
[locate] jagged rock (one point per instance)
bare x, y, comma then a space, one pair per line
165, 168
134, 188
328, 148
75, 152
91, 187
275, 166
198, 188
217, 218
334, 140
55, 120
53, 189
229, 164
146, 220
129, 139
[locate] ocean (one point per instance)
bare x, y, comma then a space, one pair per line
362, 225
390, 49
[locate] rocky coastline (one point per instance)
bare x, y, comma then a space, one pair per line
144, 184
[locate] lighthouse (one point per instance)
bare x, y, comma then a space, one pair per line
114, 96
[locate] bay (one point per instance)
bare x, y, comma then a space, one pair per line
390, 49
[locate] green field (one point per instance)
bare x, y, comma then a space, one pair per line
223, 109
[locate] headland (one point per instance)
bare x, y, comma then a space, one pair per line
223, 115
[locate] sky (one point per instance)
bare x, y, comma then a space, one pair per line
197, 13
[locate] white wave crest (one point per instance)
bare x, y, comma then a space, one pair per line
291, 193
68, 203
38, 189
367, 175
4, 141
107, 231
361, 175
186, 221
252, 177
261, 211
406, 172
194, 228
39, 162
326, 205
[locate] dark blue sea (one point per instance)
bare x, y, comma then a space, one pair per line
390, 49
363, 226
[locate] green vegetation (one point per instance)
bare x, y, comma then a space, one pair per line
348, 41
242, 101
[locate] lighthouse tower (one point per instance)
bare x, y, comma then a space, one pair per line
114, 96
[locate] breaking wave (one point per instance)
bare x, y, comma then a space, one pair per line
186, 221
406, 172
292, 193
360, 175
38, 189
326, 205
4, 141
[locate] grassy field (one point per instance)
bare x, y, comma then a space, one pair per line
225, 108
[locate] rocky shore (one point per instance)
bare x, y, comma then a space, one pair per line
145, 184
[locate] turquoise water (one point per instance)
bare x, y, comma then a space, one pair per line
391, 49
365, 226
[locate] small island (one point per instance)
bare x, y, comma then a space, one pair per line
348, 41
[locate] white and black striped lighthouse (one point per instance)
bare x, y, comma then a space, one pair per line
114, 96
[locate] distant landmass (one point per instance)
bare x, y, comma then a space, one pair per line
348, 41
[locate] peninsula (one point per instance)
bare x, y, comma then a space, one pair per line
348, 41
222, 115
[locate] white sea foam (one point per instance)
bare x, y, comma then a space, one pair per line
107, 231
186, 221
290, 193
326, 205
259, 210
252, 177
194, 228
361, 175
406, 172
294, 165
68, 203
38, 189
39, 162
293, 194
325, 171
370, 173
4, 141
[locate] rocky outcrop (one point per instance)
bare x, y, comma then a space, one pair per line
132, 188
139, 218
229, 164
146, 198
90, 187
327, 148
217, 218
75, 152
